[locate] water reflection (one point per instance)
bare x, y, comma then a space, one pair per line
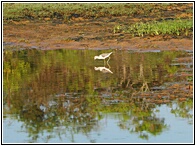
49, 90
104, 70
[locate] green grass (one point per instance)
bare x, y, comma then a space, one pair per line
165, 27
18, 11
148, 15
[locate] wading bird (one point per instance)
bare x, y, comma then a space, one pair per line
103, 56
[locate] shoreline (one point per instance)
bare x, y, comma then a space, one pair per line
47, 36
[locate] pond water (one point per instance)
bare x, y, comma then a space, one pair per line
65, 96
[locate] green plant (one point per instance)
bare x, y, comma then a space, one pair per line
170, 27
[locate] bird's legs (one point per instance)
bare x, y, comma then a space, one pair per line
108, 63
108, 59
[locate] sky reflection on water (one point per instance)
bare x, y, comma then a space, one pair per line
65, 96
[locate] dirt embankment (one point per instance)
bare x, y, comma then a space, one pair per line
84, 33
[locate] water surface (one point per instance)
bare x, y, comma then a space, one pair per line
65, 96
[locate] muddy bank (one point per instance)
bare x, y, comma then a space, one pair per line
86, 34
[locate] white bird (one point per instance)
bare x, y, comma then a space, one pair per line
103, 56
104, 69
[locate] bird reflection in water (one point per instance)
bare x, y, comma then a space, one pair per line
104, 70
104, 56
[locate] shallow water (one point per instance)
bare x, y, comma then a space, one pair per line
65, 96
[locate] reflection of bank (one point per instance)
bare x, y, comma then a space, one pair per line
103, 69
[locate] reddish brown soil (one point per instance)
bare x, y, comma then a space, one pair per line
86, 34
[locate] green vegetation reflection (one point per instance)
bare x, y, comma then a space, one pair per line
60, 88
